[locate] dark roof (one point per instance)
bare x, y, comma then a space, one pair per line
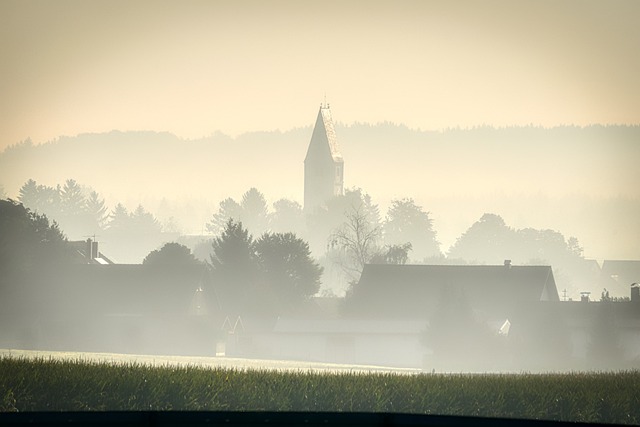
584, 315
414, 291
121, 289
618, 275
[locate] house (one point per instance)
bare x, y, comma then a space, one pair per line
392, 309
124, 308
415, 291
596, 334
86, 252
617, 275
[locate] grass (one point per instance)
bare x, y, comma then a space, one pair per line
64, 385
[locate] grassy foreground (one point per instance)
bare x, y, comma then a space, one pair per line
58, 385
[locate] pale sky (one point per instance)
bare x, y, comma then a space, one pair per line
195, 67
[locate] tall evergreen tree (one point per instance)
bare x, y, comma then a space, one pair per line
228, 209
72, 201
97, 211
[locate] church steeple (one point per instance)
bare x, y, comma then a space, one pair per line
323, 164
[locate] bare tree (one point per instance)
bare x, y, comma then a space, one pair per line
355, 242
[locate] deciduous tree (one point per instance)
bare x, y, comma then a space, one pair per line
408, 222
286, 265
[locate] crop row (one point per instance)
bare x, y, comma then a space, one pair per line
55, 385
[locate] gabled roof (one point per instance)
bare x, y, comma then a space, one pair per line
618, 275
415, 291
324, 135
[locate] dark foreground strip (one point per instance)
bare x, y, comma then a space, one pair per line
192, 419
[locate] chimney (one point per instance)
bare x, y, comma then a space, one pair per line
635, 293
94, 250
584, 296
88, 251
507, 263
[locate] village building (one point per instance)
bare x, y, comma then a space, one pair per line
617, 275
122, 308
386, 318
323, 164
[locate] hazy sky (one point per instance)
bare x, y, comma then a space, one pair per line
194, 67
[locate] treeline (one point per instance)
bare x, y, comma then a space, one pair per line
80, 210
522, 155
343, 235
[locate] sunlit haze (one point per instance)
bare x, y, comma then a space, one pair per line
192, 68
197, 68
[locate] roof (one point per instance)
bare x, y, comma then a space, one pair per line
324, 136
414, 291
132, 289
618, 275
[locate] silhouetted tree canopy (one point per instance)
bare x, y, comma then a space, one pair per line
171, 254
491, 241
79, 210
27, 241
287, 217
252, 211
72, 201
266, 277
97, 211
234, 266
286, 265
41, 198
119, 220
393, 254
138, 222
408, 222
228, 209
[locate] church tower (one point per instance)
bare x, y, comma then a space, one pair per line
323, 165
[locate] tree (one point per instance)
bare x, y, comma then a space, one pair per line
120, 221
41, 198
394, 254
171, 254
97, 211
254, 211
489, 240
28, 240
408, 222
30, 246
356, 241
286, 264
287, 216
72, 201
228, 209
144, 222
251, 211
233, 266
28, 194
323, 222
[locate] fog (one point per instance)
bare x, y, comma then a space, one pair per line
437, 186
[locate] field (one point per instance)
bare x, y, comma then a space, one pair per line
61, 384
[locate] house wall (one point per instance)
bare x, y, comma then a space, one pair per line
395, 350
